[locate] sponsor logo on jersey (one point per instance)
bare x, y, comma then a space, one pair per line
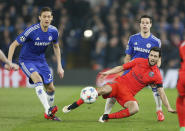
135, 43
37, 38
151, 74
42, 43
141, 49
22, 39
148, 45
50, 38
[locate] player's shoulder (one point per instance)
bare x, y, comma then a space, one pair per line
156, 39
31, 28
52, 28
135, 35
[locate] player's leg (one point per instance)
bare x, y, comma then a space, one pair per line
50, 93
158, 102
131, 108
45, 73
109, 104
101, 91
32, 72
180, 103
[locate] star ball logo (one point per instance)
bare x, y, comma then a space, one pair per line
22, 38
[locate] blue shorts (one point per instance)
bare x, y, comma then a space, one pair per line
28, 67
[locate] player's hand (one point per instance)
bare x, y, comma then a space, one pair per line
14, 66
11, 66
172, 110
60, 72
7, 67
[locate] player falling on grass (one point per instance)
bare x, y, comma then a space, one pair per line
180, 104
139, 46
124, 88
34, 40
8, 64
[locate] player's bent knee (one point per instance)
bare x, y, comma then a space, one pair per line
36, 77
104, 90
132, 107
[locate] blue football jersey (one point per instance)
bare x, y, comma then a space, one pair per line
139, 47
34, 42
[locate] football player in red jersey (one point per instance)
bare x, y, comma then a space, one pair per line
124, 88
180, 104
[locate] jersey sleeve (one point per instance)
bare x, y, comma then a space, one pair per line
159, 79
130, 64
24, 36
159, 43
55, 37
129, 48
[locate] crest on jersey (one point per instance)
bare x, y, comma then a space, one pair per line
135, 43
50, 38
22, 39
151, 74
148, 45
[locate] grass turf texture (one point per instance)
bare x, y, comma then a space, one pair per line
20, 110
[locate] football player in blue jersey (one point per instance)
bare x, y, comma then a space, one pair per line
34, 41
139, 46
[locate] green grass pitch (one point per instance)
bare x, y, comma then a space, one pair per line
20, 110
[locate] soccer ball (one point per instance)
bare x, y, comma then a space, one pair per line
89, 94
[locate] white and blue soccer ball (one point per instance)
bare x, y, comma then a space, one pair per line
89, 94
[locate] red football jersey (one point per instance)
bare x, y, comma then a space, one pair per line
182, 55
140, 75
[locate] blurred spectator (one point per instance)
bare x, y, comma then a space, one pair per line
112, 22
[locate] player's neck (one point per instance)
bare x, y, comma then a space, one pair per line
44, 29
145, 35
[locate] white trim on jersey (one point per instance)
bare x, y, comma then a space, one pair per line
31, 29
158, 40
25, 69
53, 27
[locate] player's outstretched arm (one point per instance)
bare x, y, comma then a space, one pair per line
8, 64
58, 56
165, 100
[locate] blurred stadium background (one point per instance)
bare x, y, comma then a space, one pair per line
94, 33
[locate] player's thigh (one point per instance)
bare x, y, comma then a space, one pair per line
181, 84
31, 71
106, 89
45, 73
124, 95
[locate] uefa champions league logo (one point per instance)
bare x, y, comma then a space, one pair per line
22, 38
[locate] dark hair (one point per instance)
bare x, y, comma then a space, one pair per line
145, 16
45, 9
156, 49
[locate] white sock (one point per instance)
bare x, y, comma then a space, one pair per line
109, 104
157, 99
42, 96
50, 97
